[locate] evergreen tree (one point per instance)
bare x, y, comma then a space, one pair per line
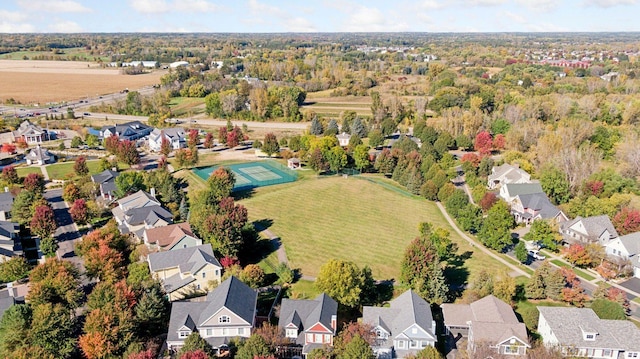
345, 126
152, 312
332, 128
358, 128
316, 127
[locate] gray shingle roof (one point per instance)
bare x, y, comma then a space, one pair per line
104, 176
147, 215
594, 225
306, 313
540, 203
515, 189
137, 200
187, 259
513, 173
568, 324
6, 201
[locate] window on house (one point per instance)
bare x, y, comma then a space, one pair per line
423, 344
217, 272
204, 275
198, 286
414, 331
590, 336
292, 333
209, 332
240, 331
413, 344
183, 333
184, 246
606, 352
327, 338
318, 338
401, 344
225, 331
379, 333
224, 319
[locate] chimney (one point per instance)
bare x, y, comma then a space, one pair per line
334, 323
153, 192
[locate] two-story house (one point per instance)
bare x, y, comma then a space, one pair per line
171, 237
403, 328
527, 208
106, 180
127, 131
229, 311
487, 322
595, 229
505, 174
10, 244
30, 133
509, 191
309, 323
175, 136
626, 247
578, 332
185, 270
140, 211
6, 204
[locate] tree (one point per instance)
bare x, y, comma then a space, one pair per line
332, 128
317, 161
427, 353
357, 348
152, 311
606, 309
254, 346
80, 166
13, 269
361, 157
195, 342
108, 332
52, 329
344, 126
376, 139
572, 292
358, 128
208, 140
34, 182
55, 281
483, 143
220, 183
316, 127
79, 211
555, 184
487, 201
495, 231
24, 206
505, 288
49, 246
385, 162
337, 158
234, 137
198, 354
270, 144
9, 148
252, 275
165, 146
10, 174
521, 252
422, 271
341, 280
43, 223
543, 232
14, 326
627, 220
129, 182
102, 260
71, 192
128, 153
193, 138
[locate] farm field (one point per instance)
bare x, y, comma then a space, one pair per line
41, 82
351, 219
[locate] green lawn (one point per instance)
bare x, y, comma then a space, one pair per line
579, 272
63, 169
24, 171
517, 264
322, 218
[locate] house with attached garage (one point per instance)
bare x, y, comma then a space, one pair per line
626, 247
175, 135
185, 270
578, 332
228, 312
170, 237
487, 322
140, 211
106, 180
595, 229
403, 328
527, 208
309, 323
509, 191
505, 174
127, 131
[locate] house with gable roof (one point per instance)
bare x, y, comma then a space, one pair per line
32, 134
527, 208
106, 180
626, 247
505, 174
6, 204
127, 131
140, 211
578, 332
175, 135
170, 237
39, 156
10, 243
487, 321
185, 269
228, 312
595, 229
309, 323
403, 328
509, 191
343, 139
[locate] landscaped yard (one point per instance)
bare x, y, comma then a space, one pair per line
24, 171
579, 272
63, 169
351, 219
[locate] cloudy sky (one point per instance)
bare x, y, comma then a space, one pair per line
317, 15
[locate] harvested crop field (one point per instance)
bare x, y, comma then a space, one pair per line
41, 82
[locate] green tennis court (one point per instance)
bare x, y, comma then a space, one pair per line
253, 174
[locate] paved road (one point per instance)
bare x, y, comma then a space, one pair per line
67, 233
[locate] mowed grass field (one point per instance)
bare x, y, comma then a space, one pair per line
350, 219
41, 82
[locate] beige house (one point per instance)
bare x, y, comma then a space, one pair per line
171, 237
505, 174
185, 270
140, 211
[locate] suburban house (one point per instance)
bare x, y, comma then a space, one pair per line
8, 298
39, 156
343, 139
32, 134
487, 321
403, 328
175, 136
228, 312
596, 229
185, 270
505, 174
140, 211
509, 191
626, 247
6, 204
10, 244
127, 131
309, 323
578, 332
171, 237
527, 208
107, 182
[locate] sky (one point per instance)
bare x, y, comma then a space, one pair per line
266, 16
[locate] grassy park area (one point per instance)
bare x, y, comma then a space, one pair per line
24, 171
63, 169
349, 218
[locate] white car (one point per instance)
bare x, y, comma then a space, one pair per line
536, 255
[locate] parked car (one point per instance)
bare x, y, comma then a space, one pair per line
537, 256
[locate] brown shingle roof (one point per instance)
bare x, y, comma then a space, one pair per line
164, 236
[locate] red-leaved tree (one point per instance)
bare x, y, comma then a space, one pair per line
165, 146
128, 153
198, 354
627, 220
193, 139
10, 174
34, 182
594, 188
8, 148
43, 223
487, 201
483, 143
111, 144
471, 158
208, 140
499, 142
147, 354
80, 166
572, 292
79, 211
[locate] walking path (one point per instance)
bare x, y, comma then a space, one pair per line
475, 244
281, 253
44, 173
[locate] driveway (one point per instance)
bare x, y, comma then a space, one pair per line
67, 233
